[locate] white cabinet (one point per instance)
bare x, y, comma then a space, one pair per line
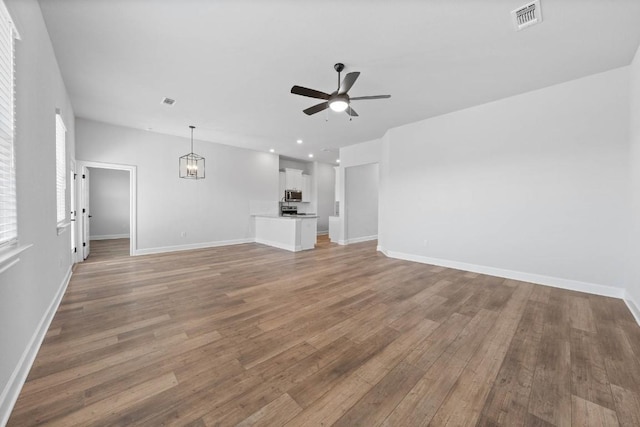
291, 234
306, 188
308, 233
293, 179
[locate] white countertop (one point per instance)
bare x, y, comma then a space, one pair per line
285, 216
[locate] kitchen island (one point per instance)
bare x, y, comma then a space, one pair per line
293, 233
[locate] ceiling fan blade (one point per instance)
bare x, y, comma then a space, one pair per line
316, 108
348, 81
311, 93
350, 111
358, 98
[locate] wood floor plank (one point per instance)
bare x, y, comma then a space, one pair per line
589, 379
339, 335
278, 412
118, 402
464, 404
382, 398
580, 315
508, 401
627, 406
551, 389
585, 413
443, 362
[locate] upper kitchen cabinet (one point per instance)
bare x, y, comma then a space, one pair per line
293, 179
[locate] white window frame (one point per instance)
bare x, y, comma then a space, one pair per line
8, 198
61, 173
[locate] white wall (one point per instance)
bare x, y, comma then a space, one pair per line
324, 178
305, 167
633, 283
212, 211
361, 154
109, 203
361, 202
29, 289
534, 184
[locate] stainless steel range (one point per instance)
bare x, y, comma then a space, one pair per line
288, 210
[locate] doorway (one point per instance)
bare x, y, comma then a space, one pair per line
102, 170
361, 190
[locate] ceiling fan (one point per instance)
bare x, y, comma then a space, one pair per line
339, 100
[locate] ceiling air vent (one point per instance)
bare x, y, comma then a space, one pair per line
527, 15
168, 101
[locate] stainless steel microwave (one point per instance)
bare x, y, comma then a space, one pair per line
292, 195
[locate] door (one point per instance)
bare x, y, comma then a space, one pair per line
72, 193
86, 216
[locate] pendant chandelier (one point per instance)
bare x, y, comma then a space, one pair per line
192, 165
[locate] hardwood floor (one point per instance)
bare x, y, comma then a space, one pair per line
108, 250
342, 335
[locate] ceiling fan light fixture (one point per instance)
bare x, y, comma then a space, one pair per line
339, 101
338, 105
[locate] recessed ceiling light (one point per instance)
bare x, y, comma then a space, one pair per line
299, 141
337, 160
271, 150
310, 155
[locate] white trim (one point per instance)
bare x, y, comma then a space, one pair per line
360, 239
556, 282
13, 387
323, 232
133, 198
279, 245
188, 247
109, 236
10, 252
8, 265
63, 227
634, 307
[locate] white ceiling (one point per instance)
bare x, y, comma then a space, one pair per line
231, 64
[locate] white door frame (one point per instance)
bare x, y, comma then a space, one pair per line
133, 197
73, 210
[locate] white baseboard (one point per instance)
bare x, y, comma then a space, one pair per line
634, 307
361, 239
188, 247
279, 245
556, 282
109, 236
322, 232
12, 390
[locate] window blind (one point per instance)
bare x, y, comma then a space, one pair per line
61, 170
8, 215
